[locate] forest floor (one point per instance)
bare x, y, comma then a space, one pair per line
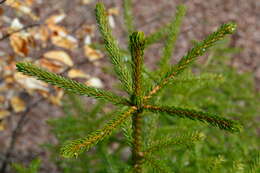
202, 18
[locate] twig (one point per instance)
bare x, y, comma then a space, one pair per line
19, 30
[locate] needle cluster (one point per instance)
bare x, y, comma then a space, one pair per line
132, 79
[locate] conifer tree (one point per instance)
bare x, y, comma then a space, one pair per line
134, 82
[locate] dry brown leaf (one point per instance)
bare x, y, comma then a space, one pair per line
88, 29
2, 126
4, 113
53, 66
61, 38
55, 18
21, 43
16, 25
30, 83
1, 11
91, 53
95, 82
2, 62
60, 56
67, 41
42, 33
44, 94
85, 2
57, 30
113, 11
75, 73
17, 104
111, 21
22, 7
87, 40
56, 100
8, 69
2, 99
29, 2
3, 87
9, 79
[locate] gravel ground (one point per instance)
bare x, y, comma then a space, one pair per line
202, 18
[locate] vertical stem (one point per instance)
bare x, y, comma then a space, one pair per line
137, 144
137, 43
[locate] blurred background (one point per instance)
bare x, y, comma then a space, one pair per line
62, 36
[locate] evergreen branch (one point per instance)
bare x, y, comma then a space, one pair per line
137, 43
174, 28
128, 131
214, 163
198, 50
102, 48
76, 147
185, 139
96, 108
204, 117
112, 48
161, 33
149, 74
254, 164
128, 16
157, 164
204, 79
78, 106
158, 35
149, 79
68, 84
200, 78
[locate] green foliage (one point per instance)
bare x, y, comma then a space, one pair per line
174, 29
112, 48
128, 16
68, 84
233, 96
158, 35
78, 121
157, 165
254, 164
209, 118
198, 50
217, 153
191, 97
32, 168
75, 147
162, 144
